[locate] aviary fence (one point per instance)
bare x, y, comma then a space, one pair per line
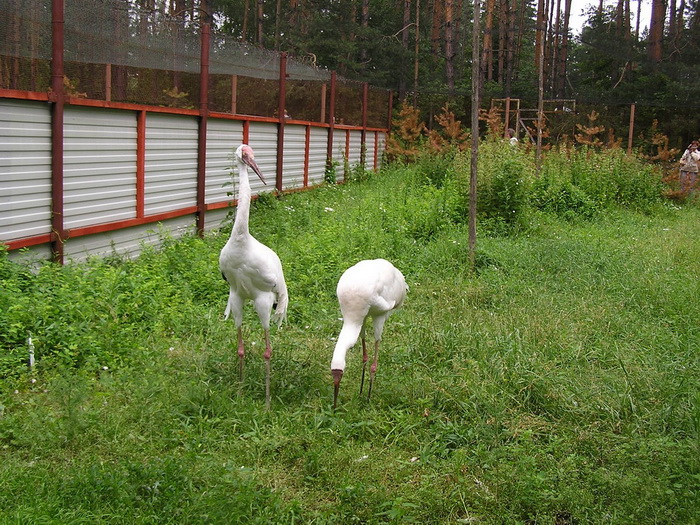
116, 121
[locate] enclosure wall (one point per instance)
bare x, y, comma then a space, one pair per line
130, 172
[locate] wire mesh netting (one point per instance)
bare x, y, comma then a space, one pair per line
117, 51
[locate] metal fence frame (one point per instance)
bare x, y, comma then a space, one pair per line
57, 214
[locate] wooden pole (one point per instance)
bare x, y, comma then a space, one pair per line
282, 118
540, 94
475, 133
331, 124
507, 118
631, 133
363, 139
203, 119
57, 112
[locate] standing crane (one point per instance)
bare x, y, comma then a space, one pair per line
252, 270
371, 288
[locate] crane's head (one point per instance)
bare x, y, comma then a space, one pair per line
245, 154
337, 376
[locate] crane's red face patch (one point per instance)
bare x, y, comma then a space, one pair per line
248, 157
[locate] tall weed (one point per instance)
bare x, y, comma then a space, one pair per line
503, 186
580, 182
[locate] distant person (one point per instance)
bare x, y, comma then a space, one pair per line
689, 167
512, 139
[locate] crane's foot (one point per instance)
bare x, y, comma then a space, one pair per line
337, 376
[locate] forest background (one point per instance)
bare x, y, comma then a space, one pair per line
422, 49
611, 64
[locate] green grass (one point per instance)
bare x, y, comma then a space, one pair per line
558, 383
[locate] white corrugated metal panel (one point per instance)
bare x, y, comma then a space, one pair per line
223, 137
381, 146
25, 169
355, 155
339, 154
369, 156
171, 162
215, 218
128, 241
294, 153
318, 141
263, 140
38, 254
99, 166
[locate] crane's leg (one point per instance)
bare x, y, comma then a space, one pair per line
267, 355
364, 362
364, 353
241, 355
373, 368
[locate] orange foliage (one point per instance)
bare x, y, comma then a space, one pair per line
451, 136
403, 143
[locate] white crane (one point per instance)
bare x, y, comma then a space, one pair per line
252, 270
371, 288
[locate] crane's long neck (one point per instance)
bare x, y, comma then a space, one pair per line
240, 225
346, 340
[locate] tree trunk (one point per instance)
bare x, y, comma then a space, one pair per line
539, 33
564, 53
416, 49
510, 51
449, 46
259, 22
487, 54
278, 16
364, 24
656, 30
502, 31
435, 30
246, 15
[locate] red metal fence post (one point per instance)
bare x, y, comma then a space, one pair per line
331, 124
202, 138
281, 113
363, 140
141, 164
57, 97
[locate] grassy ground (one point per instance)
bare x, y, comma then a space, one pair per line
558, 383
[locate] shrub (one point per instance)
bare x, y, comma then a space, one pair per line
503, 183
595, 180
563, 199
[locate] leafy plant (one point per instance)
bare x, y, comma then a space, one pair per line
405, 140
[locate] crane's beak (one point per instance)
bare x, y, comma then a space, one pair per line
250, 161
337, 376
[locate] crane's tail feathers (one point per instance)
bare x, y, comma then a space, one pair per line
227, 312
280, 314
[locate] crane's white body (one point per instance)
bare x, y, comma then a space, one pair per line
253, 271
370, 289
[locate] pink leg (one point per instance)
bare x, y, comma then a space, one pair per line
364, 363
241, 354
267, 355
373, 368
